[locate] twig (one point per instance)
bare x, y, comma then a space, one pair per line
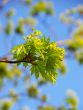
13, 61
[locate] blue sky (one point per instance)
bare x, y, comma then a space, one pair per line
74, 77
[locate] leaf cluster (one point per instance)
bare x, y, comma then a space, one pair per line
42, 56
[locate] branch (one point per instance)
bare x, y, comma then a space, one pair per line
18, 61
27, 59
13, 61
63, 42
14, 95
